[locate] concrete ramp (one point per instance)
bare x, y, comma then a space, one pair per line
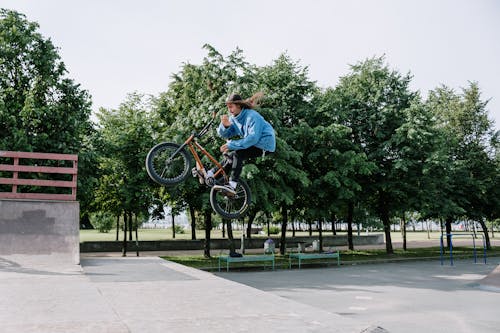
48, 229
492, 280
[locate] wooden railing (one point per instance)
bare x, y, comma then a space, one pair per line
16, 168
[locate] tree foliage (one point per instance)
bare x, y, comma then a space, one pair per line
40, 109
368, 147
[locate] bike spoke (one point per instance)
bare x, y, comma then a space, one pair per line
164, 171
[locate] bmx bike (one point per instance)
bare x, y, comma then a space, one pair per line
169, 164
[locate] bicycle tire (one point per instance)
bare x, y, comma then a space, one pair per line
166, 169
228, 206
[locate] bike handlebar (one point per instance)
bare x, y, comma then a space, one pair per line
205, 128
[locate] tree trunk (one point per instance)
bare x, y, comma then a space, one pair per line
117, 227
208, 228
486, 235
334, 229
448, 222
251, 218
293, 229
230, 237
350, 216
223, 230
124, 246
284, 213
384, 217
173, 226
403, 230
193, 222
130, 228
309, 223
136, 237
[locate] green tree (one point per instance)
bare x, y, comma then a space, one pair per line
40, 108
373, 101
282, 178
126, 136
472, 171
102, 221
338, 164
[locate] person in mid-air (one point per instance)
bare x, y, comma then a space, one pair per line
256, 135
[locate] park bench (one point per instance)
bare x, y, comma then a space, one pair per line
249, 258
300, 256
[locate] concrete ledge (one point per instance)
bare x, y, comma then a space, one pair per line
40, 227
253, 243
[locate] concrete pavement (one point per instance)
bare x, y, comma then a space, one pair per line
148, 294
400, 297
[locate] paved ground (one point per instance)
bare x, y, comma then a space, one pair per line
400, 297
147, 294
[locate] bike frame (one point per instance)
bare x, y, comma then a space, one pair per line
193, 144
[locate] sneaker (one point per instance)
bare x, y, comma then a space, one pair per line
194, 172
197, 173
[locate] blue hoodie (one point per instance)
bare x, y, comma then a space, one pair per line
252, 128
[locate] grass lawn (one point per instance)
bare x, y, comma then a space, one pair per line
347, 257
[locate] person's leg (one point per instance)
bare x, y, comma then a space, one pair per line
239, 157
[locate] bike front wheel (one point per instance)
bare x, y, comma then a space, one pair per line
167, 165
228, 205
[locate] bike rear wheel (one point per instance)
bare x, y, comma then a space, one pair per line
167, 167
228, 205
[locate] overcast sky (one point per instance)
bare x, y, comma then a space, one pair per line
116, 47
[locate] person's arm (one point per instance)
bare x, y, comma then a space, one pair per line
254, 132
226, 132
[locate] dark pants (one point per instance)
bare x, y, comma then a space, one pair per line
238, 157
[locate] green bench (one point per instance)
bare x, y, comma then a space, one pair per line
300, 256
249, 258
